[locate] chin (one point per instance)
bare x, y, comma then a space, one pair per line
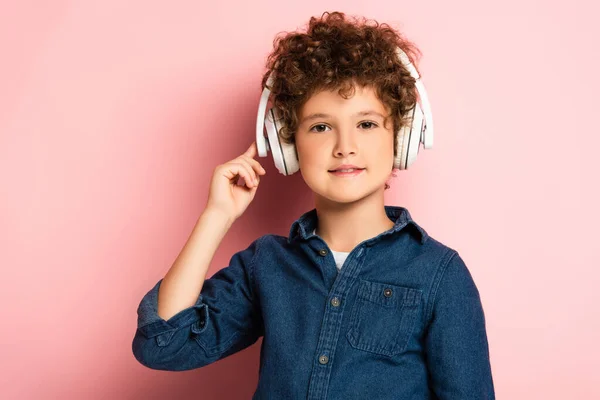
346, 196
338, 191
343, 199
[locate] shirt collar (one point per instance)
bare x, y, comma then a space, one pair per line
303, 227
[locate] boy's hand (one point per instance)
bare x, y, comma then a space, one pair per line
229, 195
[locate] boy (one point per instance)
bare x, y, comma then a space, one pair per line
358, 302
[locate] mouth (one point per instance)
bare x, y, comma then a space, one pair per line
346, 171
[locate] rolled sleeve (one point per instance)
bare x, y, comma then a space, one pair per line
151, 325
225, 319
456, 342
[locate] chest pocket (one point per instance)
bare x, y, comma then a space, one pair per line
383, 317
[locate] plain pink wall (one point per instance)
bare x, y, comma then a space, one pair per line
113, 115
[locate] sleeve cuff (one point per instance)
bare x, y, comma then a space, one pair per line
150, 324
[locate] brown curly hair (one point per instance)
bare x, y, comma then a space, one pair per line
338, 52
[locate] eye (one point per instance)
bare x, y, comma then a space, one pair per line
318, 125
370, 124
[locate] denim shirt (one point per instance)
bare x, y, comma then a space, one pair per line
402, 319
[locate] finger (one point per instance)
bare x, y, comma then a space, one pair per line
251, 152
248, 173
233, 170
255, 164
243, 178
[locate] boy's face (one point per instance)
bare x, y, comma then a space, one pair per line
342, 135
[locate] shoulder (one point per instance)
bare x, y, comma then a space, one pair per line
450, 260
445, 271
452, 282
269, 245
270, 240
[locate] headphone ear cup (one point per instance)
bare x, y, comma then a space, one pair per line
284, 154
403, 135
416, 135
290, 157
409, 138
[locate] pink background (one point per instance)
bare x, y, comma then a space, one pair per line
113, 115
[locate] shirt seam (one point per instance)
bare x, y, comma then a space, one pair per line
251, 268
437, 282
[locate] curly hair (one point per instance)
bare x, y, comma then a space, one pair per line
339, 52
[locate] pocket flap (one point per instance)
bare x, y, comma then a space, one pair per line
389, 295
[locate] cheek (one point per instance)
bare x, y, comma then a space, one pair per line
382, 149
306, 158
309, 154
383, 155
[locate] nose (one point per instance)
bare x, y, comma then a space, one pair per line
345, 144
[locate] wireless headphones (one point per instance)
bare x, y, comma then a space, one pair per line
419, 129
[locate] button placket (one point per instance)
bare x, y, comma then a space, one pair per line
330, 336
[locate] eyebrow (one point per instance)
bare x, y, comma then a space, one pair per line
358, 114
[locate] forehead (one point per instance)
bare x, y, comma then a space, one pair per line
330, 100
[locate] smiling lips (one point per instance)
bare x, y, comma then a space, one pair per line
346, 170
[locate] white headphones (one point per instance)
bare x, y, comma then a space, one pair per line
420, 125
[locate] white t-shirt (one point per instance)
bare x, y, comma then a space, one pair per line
339, 256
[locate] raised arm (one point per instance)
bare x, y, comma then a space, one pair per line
186, 321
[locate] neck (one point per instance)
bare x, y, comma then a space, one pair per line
344, 226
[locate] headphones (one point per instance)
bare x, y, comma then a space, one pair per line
419, 129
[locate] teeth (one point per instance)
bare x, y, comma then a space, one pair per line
345, 170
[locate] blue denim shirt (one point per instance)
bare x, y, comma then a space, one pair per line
401, 320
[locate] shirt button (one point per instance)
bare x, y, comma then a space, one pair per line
323, 252
335, 301
323, 359
387, 292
